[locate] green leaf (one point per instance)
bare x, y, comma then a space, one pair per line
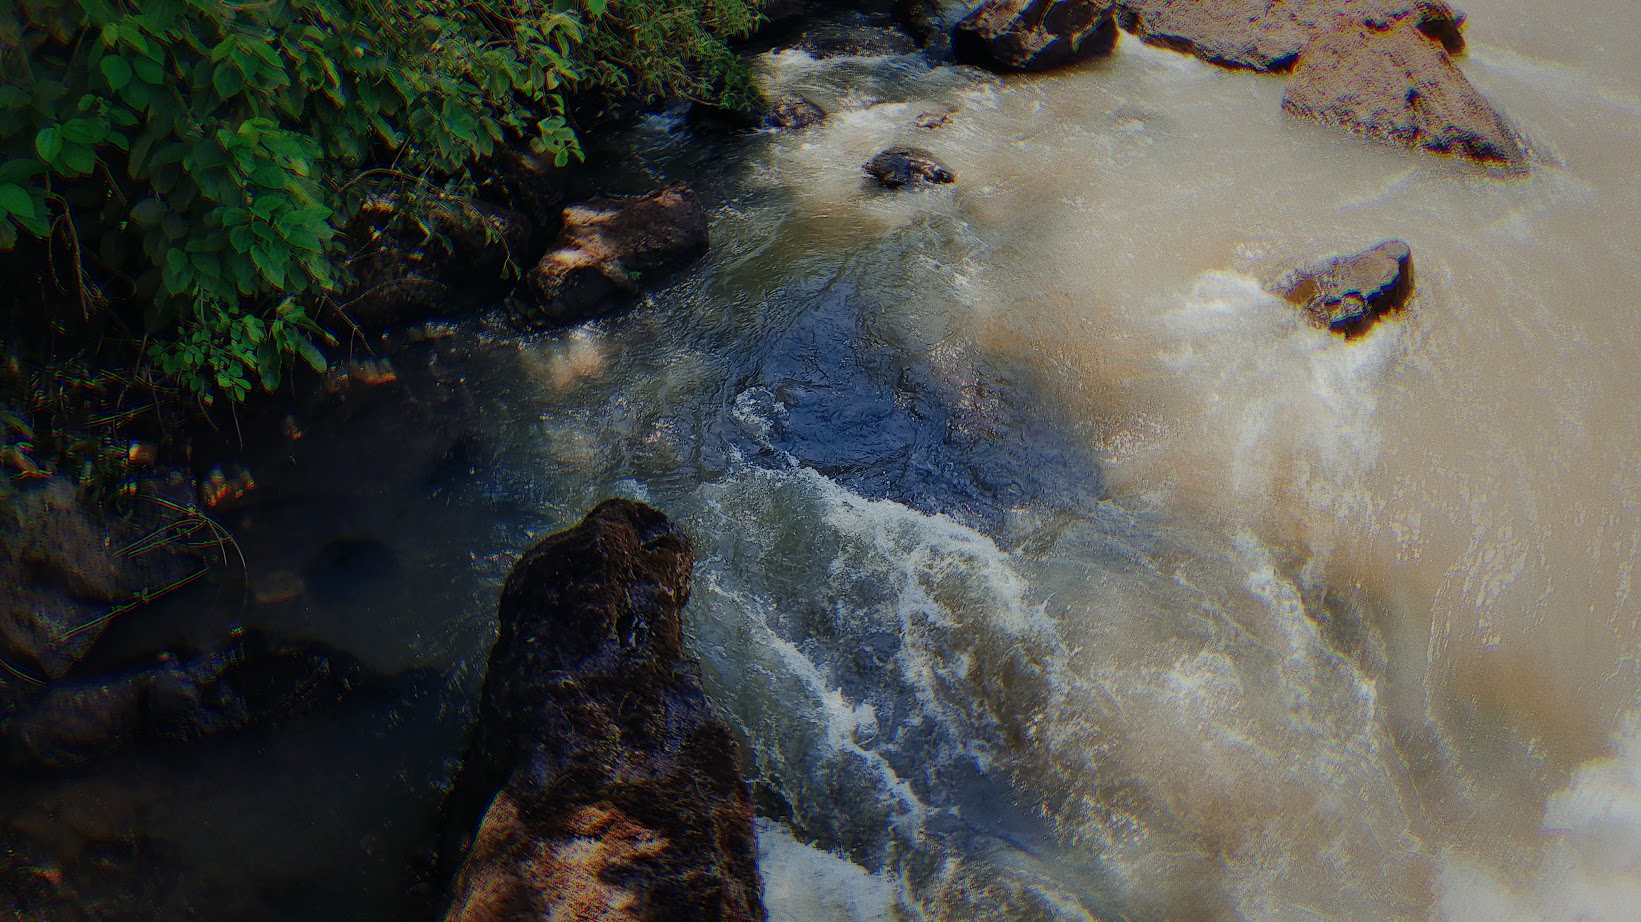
311, 354
117, 72
49, 144
227, 81
15, 200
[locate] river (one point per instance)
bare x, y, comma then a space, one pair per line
1051, 568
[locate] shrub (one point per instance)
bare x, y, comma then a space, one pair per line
198, 159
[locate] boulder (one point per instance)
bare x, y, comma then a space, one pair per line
598, 783
901, 166
1348, 294
1269, 35
608, 245
445, 259
1400, 88
1029, 35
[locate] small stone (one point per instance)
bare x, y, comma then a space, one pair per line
1348, 294
934, 120
902, 166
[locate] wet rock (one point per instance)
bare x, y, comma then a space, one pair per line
1269, 35
253, 680
787, 112
858, 37
65, 566
792, 111
598, 784
1348, 294
607, 247
936, 119
1400, 88
901, 166
445, 262
1029, 35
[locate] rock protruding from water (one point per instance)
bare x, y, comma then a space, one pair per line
904, 166
1270, 35
609, 246
786, 112
453, 253
1348, 294
1030, 35
599, 785
793, 111
1398, 87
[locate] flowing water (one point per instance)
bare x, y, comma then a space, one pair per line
1053, 570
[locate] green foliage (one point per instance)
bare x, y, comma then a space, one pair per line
200, 159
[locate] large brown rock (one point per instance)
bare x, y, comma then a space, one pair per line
608, 246
599, 785
1348, 294
1269, 35
1398, 87
1035, 34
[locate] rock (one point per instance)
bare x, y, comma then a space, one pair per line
935, 119
1399, 88
598, 784
1029, 35
608, 245
857, 37
1348, 294
1269, 35
251, 681
787, 112
409, 271
900, 166
792, 111
67, 567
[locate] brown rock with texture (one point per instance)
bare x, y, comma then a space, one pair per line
1398, 87
1035, 34
1349, 293
599, 786
1269, 35
607, 246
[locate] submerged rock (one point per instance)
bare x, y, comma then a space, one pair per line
1035, 34
1400, 88
1269, 35
598, 784
253, 680
608, 246
67, 567
901, 166
1348, 294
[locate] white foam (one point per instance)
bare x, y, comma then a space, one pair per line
803, 883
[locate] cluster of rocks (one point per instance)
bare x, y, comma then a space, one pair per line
1379, 69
